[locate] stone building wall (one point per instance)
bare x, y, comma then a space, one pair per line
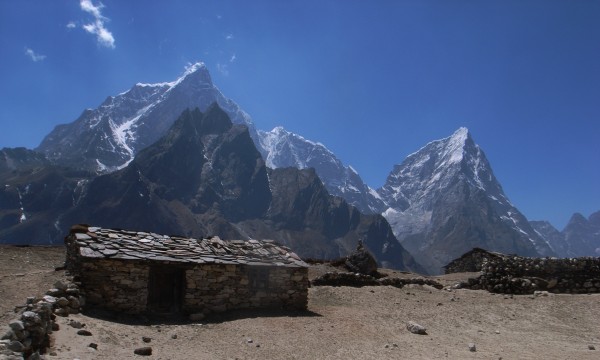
123, 286
218, 288
115, 284
519, 275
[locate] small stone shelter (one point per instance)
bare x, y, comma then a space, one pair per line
139, 272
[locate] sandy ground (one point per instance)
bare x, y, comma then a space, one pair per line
342, 323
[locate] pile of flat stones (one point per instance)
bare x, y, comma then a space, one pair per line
360, 280
522, 275
28, 335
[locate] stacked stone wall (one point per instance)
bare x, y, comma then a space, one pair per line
470, 262
122, 286
518, 275
218, 288
115, 284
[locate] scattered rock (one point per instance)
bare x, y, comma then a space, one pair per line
415, 328
76, 324
84, 332
16, 346
174, 336
93, 346
249, 341
146, 339
17, 325
144, 351
472, 347
591, 347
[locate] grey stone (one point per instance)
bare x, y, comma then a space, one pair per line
146, 339
16, 346
93, 346
84, 332
415, 328
76, 324
55, 292
49, 299
144, 351
591, 347
17, 325
472, 347
62, 302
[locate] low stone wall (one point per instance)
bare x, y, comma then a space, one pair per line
28, 335
360, 280
519, 275
218, 288
471, 261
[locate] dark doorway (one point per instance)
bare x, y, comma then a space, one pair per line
165, 289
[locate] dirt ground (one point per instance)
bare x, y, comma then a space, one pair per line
342, 323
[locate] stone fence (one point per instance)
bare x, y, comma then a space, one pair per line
521, 275
28, 336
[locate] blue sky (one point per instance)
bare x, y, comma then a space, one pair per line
372, 80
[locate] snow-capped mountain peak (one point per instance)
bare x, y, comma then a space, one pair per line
108, 137
450, 184
281, 148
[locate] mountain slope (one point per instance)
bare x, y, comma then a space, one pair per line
281, 148
205, 177
444, 200
107, 138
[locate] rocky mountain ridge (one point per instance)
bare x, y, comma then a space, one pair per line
580, 237
206, 177
441, 201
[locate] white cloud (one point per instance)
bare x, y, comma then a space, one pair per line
229, 37
35, 57
71, 25
104, 36
233, 58
222, 68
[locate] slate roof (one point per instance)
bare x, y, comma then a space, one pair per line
96, 242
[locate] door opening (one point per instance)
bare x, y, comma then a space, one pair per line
165, 289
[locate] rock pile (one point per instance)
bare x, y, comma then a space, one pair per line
361, 261
28, 335
522, 275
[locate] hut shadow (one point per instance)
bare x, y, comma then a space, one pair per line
147, 319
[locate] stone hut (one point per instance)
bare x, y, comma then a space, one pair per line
471, 261
138, 272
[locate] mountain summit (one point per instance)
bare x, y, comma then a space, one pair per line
107, 138
444, 200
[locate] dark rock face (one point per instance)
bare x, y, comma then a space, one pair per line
303, 216
205, 177
33, 199
203, 174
